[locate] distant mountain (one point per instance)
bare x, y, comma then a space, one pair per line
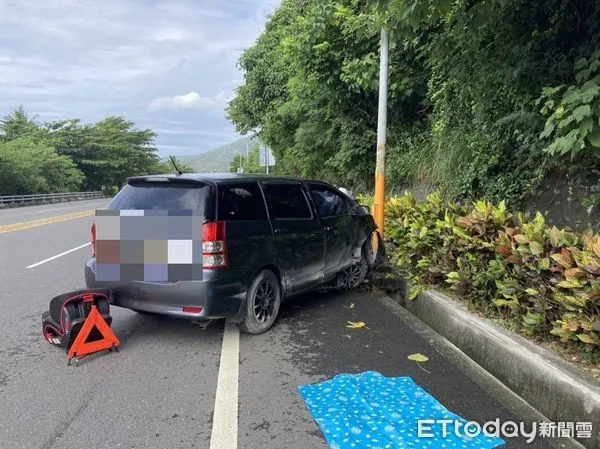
219, 159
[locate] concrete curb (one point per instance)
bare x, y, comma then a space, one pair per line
559, 391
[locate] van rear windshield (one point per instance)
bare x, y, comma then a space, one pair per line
165, 196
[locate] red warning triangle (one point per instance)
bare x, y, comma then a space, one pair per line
94, 320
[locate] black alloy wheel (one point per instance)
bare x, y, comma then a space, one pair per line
355, 274
263, 301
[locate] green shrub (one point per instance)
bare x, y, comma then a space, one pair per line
540, 280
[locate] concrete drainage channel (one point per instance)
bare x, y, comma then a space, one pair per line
557, 390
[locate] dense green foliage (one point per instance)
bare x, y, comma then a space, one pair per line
574, 118
540, 280
67, 156
30, 166
486, 97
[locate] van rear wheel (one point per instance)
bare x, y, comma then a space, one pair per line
263, 301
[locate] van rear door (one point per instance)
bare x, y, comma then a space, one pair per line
152, 231
298, 235
241, 206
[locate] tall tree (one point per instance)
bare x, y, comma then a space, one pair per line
74, 155
17, 124
28, 166
464, 80
107, 152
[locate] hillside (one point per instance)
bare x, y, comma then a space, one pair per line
219, 159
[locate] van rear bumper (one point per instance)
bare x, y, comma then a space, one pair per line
216, 297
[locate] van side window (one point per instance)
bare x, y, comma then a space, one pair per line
241, 202
328, 202
287, 201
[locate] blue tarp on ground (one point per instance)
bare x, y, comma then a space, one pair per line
372, 411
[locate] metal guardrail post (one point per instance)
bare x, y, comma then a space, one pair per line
16, 200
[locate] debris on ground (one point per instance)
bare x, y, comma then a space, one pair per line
419, 358
356, 325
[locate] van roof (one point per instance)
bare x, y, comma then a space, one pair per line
216, 178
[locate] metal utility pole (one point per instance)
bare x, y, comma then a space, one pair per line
379, 201
267, 159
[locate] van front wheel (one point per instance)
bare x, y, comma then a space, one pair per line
263, 301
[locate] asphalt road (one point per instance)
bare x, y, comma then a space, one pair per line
159, 390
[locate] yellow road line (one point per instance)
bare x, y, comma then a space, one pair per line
44, 221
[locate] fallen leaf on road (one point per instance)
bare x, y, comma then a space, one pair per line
356, 325
418, 358
351, 306
347, 336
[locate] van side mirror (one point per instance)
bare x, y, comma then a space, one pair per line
361, 209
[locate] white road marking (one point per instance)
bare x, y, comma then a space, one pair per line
225, 420
57, 256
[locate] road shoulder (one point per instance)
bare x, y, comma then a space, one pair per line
558, 390
312, 342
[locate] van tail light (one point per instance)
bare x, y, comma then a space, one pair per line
214, 247
93, 239
192, 309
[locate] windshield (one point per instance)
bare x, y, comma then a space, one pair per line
194, 197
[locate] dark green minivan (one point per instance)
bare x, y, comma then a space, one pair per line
263, 239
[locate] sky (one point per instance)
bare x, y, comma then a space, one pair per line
167, 65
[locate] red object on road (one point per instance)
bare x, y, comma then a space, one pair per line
81, 347
80, 321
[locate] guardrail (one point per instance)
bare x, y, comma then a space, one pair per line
27, 200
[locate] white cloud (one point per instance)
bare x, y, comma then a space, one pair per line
191, 100
171, 34
69, 58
